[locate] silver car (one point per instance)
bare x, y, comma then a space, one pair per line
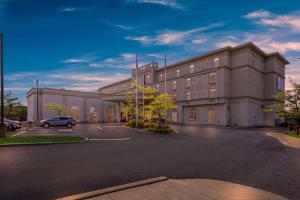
58, 121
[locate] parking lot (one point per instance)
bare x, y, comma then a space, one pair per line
118, 155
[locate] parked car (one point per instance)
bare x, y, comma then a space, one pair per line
58, 121
12, 124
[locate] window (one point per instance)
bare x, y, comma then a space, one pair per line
193, 115
148, 79
174, 116
211, 115
188, 96
216, 62
212, 77
161, 77
177, 72
206, 64
188, 82
174, 85
192, 69
212, 90
280, 83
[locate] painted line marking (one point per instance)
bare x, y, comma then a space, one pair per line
99, 128
110, 139
18, 133
66, 130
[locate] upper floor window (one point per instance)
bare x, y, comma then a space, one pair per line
174, 85
148, 79
188, 96
177, 72
212, 90
212, 77
192, 68
188, 82
161, 77
216, 62
206, 64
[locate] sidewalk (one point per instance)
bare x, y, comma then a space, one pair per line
184, 189
285, 139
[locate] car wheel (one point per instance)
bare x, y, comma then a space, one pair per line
69, 125
46, 125
8, 128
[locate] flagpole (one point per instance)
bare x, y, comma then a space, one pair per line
165, 74
144, 99
136, 90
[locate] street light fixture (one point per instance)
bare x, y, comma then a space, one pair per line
37, 99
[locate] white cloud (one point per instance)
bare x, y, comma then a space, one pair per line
258, 14
75, 9
168, 3
226, 43
267, 18
173, 37
74, 60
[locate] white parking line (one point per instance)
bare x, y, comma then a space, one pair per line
99, 128
18, 133
66, 130
110, 139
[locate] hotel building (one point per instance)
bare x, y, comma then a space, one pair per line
230, 87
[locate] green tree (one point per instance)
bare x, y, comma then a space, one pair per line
156, 110
57, 109
10, 103
288, 103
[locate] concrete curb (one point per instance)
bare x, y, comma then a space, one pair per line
285, 139
42, 143
114, 189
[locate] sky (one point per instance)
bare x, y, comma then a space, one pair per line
85, 44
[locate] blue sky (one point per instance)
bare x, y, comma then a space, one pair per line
85, 44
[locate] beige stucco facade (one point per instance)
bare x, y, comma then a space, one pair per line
83, 106
231, 86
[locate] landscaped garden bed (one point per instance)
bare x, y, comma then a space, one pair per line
34, 139
154, 128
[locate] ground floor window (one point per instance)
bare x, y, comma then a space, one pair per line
109, 114
75, 112
211, 115
174, 116
193, 115
93, 114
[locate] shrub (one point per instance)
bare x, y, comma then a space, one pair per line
161, 129
132, 124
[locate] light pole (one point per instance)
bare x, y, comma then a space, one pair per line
37, 99
3, 128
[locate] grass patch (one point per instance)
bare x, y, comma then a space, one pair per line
40, 139
291, 133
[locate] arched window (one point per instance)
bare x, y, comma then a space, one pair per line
109, 114
93, 114
75, 112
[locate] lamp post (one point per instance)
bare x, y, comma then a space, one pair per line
3, 128
37, 99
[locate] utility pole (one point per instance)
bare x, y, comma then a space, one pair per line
136, 90
3, 128
37, 99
